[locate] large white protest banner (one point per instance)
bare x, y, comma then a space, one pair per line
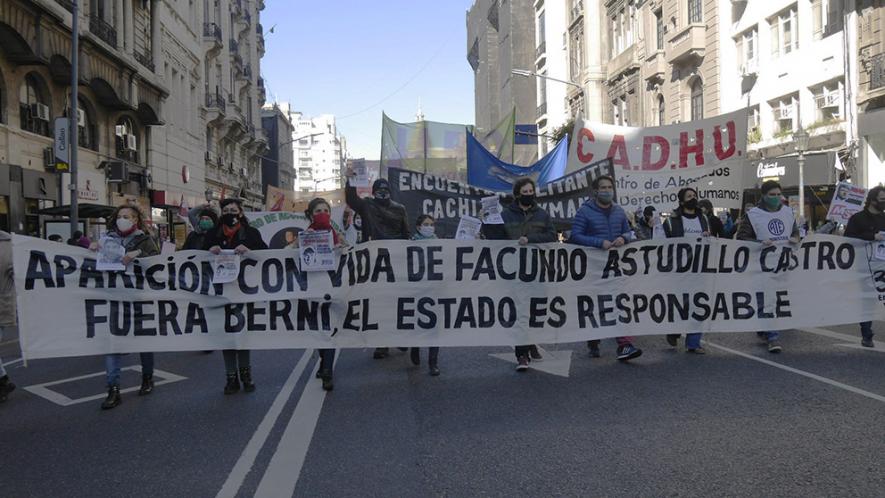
653, 163
439, 293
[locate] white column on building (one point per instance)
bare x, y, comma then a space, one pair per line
119, 25
129, 28
156, 34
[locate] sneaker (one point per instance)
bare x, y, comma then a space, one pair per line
535, 354
522, 364
867, 343
696, 351
774, 347
673, 339
628, 352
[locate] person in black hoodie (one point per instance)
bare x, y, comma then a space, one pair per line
717, 228
869, 224
205, 221
526, 223
687, 221
382, 219
235, 233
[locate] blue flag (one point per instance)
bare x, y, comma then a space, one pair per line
484, 170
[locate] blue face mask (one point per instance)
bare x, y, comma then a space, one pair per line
605, 197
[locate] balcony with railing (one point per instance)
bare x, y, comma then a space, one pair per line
655, 66
145, 60
686, 43
212, 33
622, 63
262, 92
100, 28
215, 101
235, 53
541, 111
540, 53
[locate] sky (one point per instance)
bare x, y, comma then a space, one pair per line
357, 58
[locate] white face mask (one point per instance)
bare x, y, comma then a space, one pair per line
123, 224
426, 231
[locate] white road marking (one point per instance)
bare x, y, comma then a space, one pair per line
831, 334
43, 390
247, 459
803, 373
555, 363
285, 466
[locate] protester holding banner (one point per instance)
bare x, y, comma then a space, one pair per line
717, 228
425, 229
382, 219
527, 223
204, 221
319, 212
645, 224
603, 224
767, 223
235, 233
687, 221
869, 224
129, 231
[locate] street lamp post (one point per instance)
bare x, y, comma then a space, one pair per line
801, 139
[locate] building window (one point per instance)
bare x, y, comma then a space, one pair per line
659, 28
786, 112
34, 106
86, 131
745, 45
827, 17
126, 139
697, 100
784, 32
694, 12
828, 102
661, 111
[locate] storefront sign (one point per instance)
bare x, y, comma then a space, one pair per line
90, 187
785, 169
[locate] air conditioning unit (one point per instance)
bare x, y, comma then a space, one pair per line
118, 172
130, 143
244, 172
784, 112
81, 117
40, 111
120, 131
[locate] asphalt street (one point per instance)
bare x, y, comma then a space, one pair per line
737, 421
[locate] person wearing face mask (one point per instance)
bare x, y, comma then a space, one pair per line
204, 221
869, 224
129, 230
319, 212
526, 223
645, 224
687, 221
382, 219
767, 223
426, 230
603, 224
235, 233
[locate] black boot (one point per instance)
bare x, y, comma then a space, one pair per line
113, 398
147, 385
233, 384
246, 377
415, 353
6, 387
328, 385
380, 353
433, 360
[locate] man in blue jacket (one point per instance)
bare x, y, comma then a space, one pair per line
603, 224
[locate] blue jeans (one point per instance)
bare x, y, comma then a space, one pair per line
693, 341
770, 336
866, 330
112, 366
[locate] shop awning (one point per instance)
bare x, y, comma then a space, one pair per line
83, 211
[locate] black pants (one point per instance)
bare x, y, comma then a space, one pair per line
327, 359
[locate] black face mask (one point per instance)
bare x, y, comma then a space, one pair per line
527, 200
691, 204
230, 220
382, 196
